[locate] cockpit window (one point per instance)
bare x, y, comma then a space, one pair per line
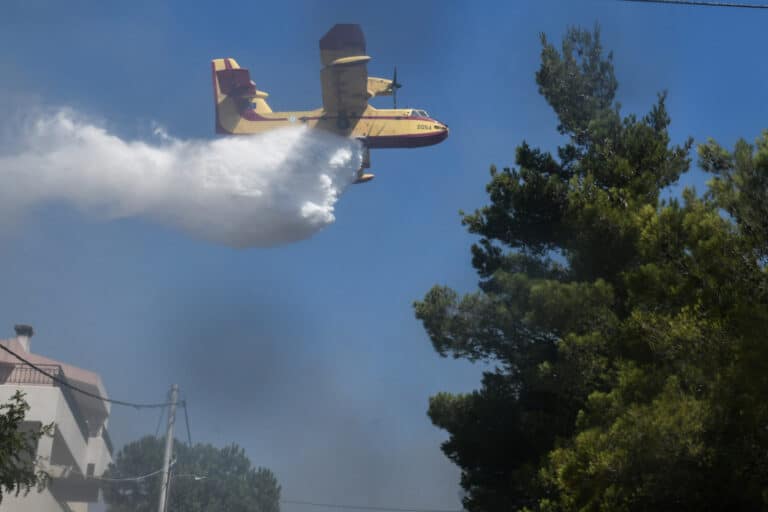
419, 113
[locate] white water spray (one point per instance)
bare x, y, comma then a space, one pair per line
243, 191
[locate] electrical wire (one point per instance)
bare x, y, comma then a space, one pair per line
183, 403
364, 507
332, 505
64, 383
160, 421
126, 479
130, 479
186, 422
699, 3
190, 475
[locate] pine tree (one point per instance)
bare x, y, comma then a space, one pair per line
626, 331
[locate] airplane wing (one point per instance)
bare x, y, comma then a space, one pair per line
344, 76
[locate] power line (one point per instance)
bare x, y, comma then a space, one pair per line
186, 422
183, 403
330, 505
159, 421
702, 4
105, 479
364, 507
133, 478
64, 383
190, 475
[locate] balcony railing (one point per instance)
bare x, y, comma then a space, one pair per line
25, 374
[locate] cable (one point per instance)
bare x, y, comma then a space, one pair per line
364, 507
190, 475
160, 421
702, 4
333, 505
186, 422
126, 479
64, 382
129, 479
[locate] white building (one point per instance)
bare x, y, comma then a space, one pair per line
79, 448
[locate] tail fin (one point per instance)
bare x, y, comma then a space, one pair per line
233, 92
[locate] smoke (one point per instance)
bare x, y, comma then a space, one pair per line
243, 191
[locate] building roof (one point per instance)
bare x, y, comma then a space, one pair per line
83, 379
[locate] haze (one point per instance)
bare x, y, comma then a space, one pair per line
308, 355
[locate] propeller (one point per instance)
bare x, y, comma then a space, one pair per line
395, 85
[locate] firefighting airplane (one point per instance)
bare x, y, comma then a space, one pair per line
242, 109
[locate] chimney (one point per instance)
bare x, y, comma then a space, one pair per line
23, 334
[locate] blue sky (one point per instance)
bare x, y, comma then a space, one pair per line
309, 355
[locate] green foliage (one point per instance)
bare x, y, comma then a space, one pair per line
740, 186
231, 483
18, 449
627, 332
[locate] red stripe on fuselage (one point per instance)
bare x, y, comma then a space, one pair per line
415, 140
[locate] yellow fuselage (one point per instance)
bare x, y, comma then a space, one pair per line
376, 128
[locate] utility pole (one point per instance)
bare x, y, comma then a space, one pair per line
166, 485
